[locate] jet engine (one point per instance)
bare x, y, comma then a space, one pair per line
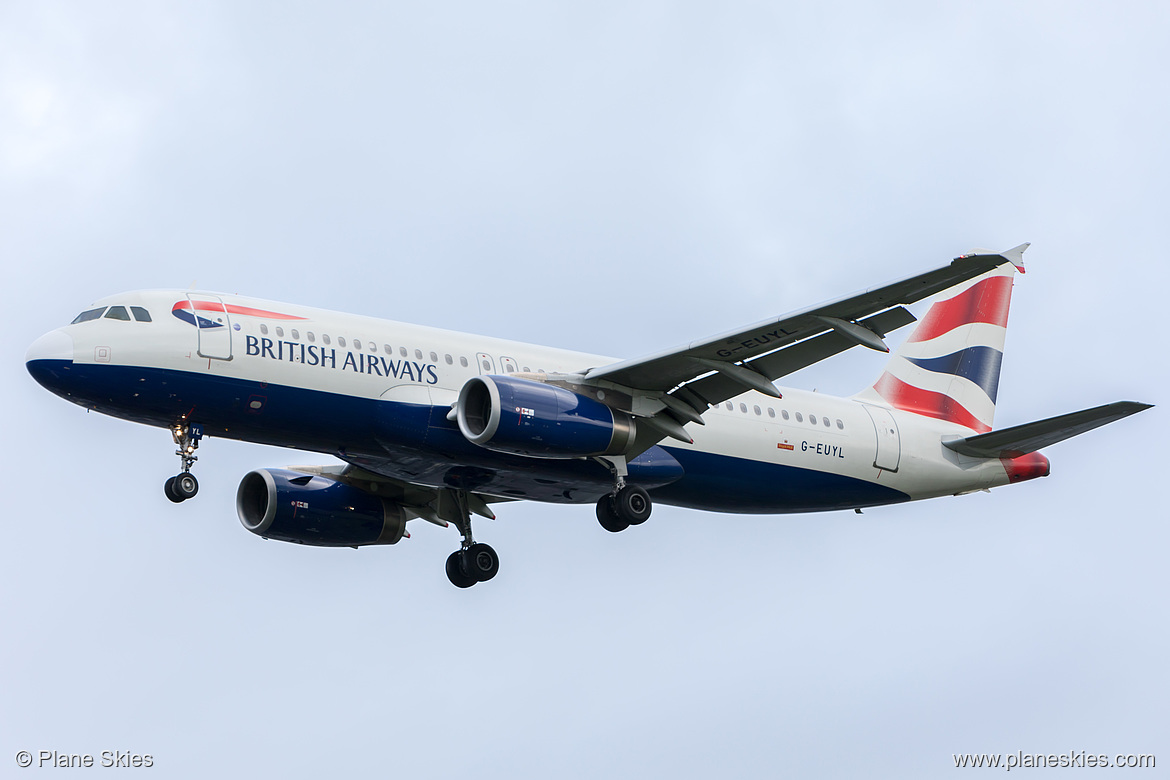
525, 417
295, 507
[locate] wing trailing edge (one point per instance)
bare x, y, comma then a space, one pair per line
1029, 437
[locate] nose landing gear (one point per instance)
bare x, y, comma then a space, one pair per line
184, 485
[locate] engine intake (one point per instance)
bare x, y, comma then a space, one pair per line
307, 509
524, 417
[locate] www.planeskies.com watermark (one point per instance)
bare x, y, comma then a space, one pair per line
1072, 759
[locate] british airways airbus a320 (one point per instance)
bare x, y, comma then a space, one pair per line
438, 426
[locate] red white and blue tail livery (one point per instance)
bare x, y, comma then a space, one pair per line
437, 426
949, 366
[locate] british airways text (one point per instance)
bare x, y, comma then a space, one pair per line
313, 355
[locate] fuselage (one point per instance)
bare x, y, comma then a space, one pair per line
377, 394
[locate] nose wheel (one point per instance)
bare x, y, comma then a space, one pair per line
183, 485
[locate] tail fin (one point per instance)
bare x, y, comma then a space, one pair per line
949, 367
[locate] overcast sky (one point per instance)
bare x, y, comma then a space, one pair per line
615, 178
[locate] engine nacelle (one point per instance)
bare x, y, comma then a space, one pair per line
524, 417
295, 507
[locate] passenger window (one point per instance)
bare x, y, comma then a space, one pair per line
279, 332
448, 359
312, 338
799, 418
418, 354
825, 420
118, 313
730, 406
341, 341
757, 410
402, 351
526, 371
389, 349
840, 425
487, 366
373, 347
784, 413
463, 361
140, 314
743, 408
771, 412
509, 368
263, 329
296, 334
812, 418
86, 316
325, 339
434, 358
357, 344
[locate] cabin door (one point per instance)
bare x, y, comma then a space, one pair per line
214, 326
889, 443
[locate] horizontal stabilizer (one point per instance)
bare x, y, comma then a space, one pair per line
1029, 437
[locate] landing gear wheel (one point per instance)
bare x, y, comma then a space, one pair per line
185, 485
169, 489
632, 505
608, 517
473, 562
455, 571
481, 562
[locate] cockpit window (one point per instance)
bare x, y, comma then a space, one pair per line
140, 314
118, 313
86, 316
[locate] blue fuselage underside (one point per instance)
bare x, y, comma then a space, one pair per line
417, 444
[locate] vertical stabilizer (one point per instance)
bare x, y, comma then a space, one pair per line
949, 366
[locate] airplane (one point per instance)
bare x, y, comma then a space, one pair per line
438, 426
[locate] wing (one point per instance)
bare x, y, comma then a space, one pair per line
435, 505
684, 382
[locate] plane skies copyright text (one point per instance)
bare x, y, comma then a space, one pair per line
110, 759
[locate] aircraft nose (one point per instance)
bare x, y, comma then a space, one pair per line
48, 355
54, 345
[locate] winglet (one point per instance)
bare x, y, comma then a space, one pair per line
1015, 256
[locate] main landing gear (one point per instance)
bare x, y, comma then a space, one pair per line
474, 561
184, 485
627, 505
